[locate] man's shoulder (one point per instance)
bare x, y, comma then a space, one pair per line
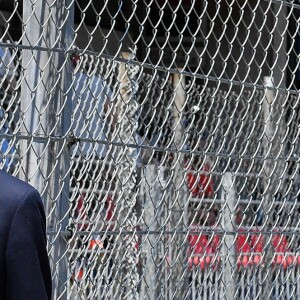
13, 189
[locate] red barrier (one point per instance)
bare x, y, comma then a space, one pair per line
243, 250
200, 183
282, 256
257, 244
203, 250
249, 250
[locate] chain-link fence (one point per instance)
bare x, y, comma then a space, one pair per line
163, 137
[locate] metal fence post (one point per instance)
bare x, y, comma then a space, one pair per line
44, 123
127, 158
65, 160
151, 198
228, 198
179, 203
268, 183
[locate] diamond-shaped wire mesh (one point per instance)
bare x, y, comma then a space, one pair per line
163, 138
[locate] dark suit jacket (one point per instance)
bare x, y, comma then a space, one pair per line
24, 265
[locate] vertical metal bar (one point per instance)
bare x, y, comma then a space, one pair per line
43, 94
228, 246
267, 105
274, 115
65, 159
179, 203
37, 102
150, 244
127, 183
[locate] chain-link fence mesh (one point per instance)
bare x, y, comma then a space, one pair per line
163, 137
